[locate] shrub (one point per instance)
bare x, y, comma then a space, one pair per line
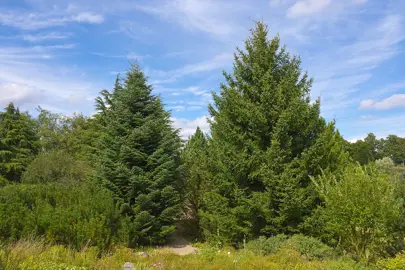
266, 246
56, 166
362, 209
396, 263
72, 214
311, 248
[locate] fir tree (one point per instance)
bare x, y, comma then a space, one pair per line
18, 142
194, 158
139, 157
263, 123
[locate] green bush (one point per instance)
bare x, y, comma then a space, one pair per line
266, 246
396, 263
309, 247
56, 166
72, 214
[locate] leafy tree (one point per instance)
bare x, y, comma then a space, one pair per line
76, 135
18, 142
267, 137
362, 209
367, 150
139, 157
394, 147
57, 166
51, 129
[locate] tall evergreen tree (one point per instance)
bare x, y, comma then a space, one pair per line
139, 157
18, 142
265, 131
194, 158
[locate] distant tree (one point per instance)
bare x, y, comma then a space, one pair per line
267, 138
138, 157
394, 147
55, 166
18, 142
194, 157
76, 135
367, 150
51, 129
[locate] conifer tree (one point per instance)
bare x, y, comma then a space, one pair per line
18, 142
264, 129
139, 157
194, 158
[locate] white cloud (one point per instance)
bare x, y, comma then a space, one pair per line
88, 17
45, 36
129, 56
307, 7
219, 61
19, 94
368, 117
37, 20
187, 127
206, 16
394, 101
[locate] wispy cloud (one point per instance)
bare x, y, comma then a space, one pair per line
130, 55
205, 16
37, 20
45, 36
220, 61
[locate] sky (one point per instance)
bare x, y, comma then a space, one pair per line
60, 54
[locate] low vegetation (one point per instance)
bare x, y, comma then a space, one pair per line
39, 256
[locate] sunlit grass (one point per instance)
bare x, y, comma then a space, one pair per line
36, 255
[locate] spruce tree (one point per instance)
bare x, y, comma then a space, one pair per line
139, 157
264, 131
194, 158
18, 142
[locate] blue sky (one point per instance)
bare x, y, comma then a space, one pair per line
61, 54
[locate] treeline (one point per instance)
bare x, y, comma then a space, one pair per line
371, 149
270, 166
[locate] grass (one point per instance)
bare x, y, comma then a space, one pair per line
36, 255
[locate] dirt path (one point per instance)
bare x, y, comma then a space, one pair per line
178, 244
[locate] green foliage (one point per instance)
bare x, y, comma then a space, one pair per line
396, 263
194, 157
75, 135
362, 209
55, 166
370, 149
267, 138
138, 157
309, 247
18, 142
394, 147
71, 214
367, 150
266, 246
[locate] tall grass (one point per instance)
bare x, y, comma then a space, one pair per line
37, 255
